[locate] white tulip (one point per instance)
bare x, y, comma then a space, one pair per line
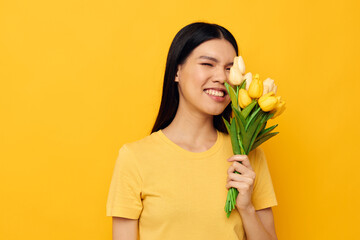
239, 61
274, 89
235, 77
269, 86
248, 79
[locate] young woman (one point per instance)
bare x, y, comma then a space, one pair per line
173, 183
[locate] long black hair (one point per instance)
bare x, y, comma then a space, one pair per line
185, 41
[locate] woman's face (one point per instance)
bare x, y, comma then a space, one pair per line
202, 76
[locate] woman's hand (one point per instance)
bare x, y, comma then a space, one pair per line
243, 182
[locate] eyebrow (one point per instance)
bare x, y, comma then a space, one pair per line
214, 59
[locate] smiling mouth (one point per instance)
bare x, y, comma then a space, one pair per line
216, 93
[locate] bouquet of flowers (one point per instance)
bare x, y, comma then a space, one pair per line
253, 103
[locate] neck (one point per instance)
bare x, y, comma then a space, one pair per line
191, 127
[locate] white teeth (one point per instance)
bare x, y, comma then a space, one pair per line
214, 92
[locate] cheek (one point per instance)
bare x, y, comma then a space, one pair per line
194, 83
198, 74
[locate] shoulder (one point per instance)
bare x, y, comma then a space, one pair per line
146, 144
143, 142
257, 158
258, 153
131, 155
226, 138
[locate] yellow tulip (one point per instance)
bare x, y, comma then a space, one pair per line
244, 98
235, 77
268, 102
279, 108
256, 87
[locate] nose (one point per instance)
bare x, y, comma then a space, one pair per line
221, 76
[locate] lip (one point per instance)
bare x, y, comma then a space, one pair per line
216, 98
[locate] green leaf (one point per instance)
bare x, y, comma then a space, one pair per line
258, 129
251, 131
227, 124
239, 136
233, 95
262, 128
227, 85
246, 111
242, 121
264, 131
242, 148
269, 116
233, 137
253, 123
238, 127
243, 85
263, 139
252, 118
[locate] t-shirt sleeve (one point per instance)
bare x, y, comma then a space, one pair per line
263, 193
124, 197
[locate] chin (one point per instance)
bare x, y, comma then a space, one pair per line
216, 112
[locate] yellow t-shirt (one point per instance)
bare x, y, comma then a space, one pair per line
177, 194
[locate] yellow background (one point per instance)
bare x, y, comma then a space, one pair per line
80, 78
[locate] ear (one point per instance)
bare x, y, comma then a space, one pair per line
177, 76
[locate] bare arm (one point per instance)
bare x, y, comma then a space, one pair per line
124, 228
267, 218
259, 224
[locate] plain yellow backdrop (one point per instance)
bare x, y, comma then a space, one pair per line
80, 78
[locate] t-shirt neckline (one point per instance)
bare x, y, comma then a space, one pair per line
214, 148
